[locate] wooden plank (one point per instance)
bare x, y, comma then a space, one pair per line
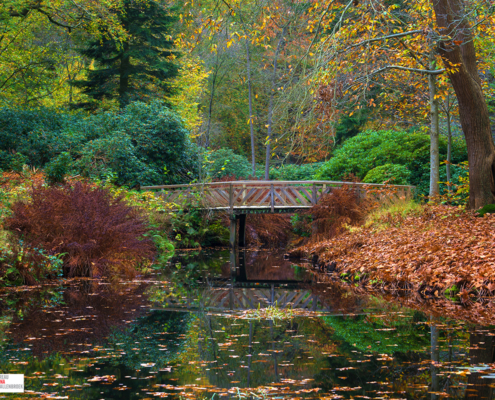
268, 194
302, 189
253, 190
303, 201
280, 198
267, 183
231, 199
288, 196
314, 198
272, 199
259, 193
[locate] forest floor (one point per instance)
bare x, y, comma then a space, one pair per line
434, 250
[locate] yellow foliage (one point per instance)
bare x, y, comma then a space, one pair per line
190, 85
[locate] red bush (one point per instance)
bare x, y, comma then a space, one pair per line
333, 210
98, 233
272, 230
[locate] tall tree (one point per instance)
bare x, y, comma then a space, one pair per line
459, 55
137, 65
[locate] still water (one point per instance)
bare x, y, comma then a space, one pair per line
246, 326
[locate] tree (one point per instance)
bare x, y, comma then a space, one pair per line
138, 65
409, 37
458, 53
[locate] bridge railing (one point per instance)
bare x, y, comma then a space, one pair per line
269, 195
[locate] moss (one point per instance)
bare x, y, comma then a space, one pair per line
488, 209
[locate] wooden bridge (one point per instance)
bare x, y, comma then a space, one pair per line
246, 197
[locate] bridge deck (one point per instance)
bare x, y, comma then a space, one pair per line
244, 197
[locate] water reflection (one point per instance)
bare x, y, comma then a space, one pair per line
88, 340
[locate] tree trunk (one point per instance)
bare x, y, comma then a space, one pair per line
435, 358
270, 104
481, 346
434, 138
251, 128
210, 109
124, 71
449, 143
459, 56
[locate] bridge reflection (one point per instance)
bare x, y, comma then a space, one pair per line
253, 280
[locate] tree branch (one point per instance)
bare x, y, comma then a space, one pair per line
394, 36
416, 70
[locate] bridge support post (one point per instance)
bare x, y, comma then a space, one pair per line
242, 230
233, 229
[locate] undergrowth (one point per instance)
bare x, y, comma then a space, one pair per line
97, 233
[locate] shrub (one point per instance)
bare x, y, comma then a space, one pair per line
116, 157
56, 169
395, 174
293, 172
17, 162
301, 224
371, 149
272, 230
224, 162
152, 138
26, 265
341, 206
98, 234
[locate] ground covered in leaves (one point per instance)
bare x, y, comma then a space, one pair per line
435, 250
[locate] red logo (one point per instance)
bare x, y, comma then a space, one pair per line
2, 381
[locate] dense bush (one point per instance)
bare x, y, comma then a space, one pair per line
149, 139
96, 233
25, 265
341, 206
395, 174
57, 169
371, 149
294, 172
224, 162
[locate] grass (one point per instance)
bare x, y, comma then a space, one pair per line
392, 212
270, 313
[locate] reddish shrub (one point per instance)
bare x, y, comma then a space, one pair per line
336, 208
98, 234
272, 230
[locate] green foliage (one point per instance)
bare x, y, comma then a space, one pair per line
488, 209
301, 224
19, 260
165, 248
294, 172
350, 125
138, 67
57, 169
368, 333
114, 158
371, 149
194, 227
224, 162
132, 146
395, 174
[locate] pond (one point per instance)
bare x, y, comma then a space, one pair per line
245, 325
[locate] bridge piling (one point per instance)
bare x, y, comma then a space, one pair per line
242, 230
233, 230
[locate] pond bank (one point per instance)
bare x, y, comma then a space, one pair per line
433, 250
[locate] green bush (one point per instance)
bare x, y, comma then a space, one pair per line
395, 174
224, 162
153, 140
57, 169
17, 162
371, 149
115, 157
293, 172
